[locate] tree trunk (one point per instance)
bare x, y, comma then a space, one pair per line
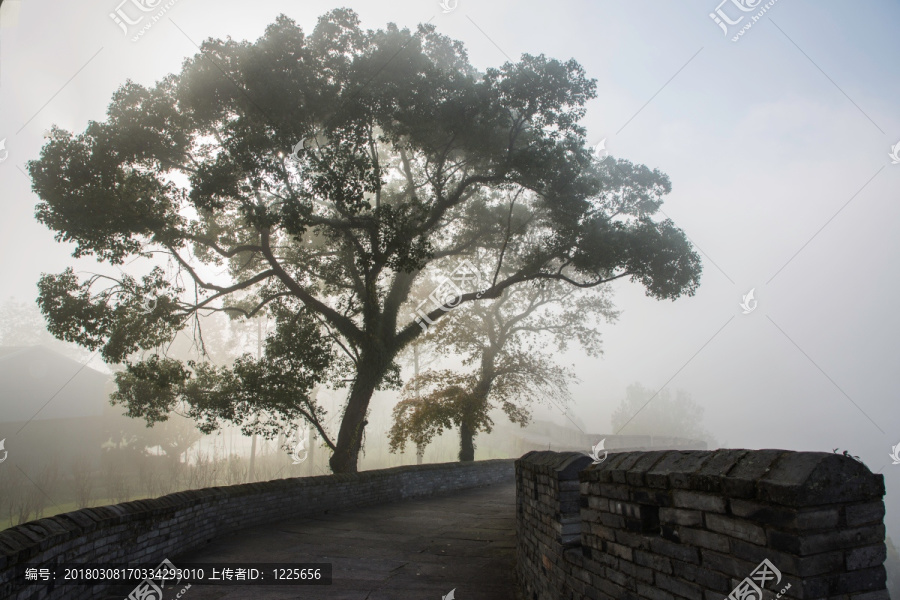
466, 442
420, 450
310, 446
353, 423
251, 470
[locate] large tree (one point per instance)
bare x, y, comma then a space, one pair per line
407, 162
508, 347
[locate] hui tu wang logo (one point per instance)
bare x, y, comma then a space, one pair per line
123, 19
448, 6
307, 144
295, 151
301, 446
724, 19
148, 303
752, 587
6, 453
595, 452
600, 151
895, 154
449, 292
4, 153
749, 302
895, 454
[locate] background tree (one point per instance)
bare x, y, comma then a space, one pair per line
420, 355
510, 343
664, 415
21, 324
407, 150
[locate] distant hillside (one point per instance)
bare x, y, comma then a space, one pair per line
32, 377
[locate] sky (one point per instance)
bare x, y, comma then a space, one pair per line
777, 144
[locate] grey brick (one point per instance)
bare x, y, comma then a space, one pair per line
736, 528
705, 539
804, 545
651, 592
673, 550
662, 564
702, 576
869, 512
698, 501
619, 550
878, 595
681, 516
868, 556
743, 477
679, 587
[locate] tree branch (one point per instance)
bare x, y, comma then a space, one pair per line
343, 324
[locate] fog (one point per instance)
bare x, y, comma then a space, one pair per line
777, 145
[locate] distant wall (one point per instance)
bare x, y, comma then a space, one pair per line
563, 439
671, 525
147, 531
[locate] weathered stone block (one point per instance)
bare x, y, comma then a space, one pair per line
868, 556
636, 572
661, 564
702, 576
620, 551
816, 543
743, 476
681, 516
736, 528
651, 592
816, 564
674, 550
698, 501
614, 492
868, 512
679, 587
704, 539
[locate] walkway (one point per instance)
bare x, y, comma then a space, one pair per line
411, 550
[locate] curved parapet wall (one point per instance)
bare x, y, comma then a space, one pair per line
574, 441
673, 525
147, 531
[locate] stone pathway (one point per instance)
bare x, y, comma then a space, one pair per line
411, 550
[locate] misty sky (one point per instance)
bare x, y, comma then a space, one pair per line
777, 147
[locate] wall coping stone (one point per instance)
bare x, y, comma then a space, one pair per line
567, 465
778, 476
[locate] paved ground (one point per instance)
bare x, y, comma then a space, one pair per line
412, 550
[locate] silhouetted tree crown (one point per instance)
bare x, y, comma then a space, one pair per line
411, 161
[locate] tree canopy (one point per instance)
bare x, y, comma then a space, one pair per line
316, 178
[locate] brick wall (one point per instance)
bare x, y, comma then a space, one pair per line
146, 531
672, 525
548, 436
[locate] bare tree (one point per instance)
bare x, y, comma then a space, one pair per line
82, 481
116, 482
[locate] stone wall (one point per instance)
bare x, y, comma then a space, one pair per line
671, 525
147, 531
562, 439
